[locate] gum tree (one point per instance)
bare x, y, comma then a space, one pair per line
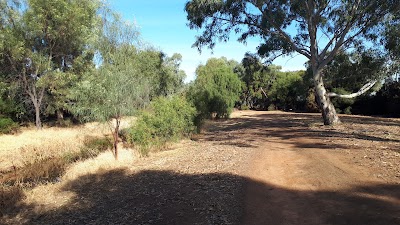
316, 29
117, 87
44, 43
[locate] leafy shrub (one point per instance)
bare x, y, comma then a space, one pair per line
311, 104
7, 126
215, 91
288, 91
167, 119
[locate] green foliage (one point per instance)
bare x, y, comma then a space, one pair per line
118, 87
113, 90
7, 126
215, 90
270, 20
167, 119
44, 45
257, 80
350, 71
288, 91
342, 105
344, 24
163, 72
9, 107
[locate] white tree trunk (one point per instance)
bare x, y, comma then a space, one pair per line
328, 110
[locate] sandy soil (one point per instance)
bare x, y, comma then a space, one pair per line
256, 168
322, 175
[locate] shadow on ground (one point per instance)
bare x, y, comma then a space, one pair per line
165, 197
291, 126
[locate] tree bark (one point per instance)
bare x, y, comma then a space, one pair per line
38, 122
328, 110
60, 116
115, 137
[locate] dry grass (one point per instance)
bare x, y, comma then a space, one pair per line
31, 144
55, 199
42, 158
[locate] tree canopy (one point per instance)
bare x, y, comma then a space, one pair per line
323, 29
45, 45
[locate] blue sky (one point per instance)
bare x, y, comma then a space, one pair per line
162, 23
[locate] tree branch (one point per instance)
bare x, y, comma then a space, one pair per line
364, 89
304, 52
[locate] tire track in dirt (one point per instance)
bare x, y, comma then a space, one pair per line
290, 184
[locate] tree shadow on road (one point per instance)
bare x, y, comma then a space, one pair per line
166, 197
290, 127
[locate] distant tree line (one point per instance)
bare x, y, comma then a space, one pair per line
78, 60
222, 84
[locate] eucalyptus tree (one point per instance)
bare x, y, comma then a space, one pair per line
216, 88
164, 71
43, 42
118, 87
316, 29
257, 79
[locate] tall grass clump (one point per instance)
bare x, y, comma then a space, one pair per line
7, 125
167, 119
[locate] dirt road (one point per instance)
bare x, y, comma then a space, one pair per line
299, 176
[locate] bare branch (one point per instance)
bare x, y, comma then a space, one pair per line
265, 94
364, 89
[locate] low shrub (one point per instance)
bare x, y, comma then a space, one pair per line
7, 126
167, 119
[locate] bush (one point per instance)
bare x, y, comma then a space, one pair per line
7, 126
215, 91
311, 104
167, 119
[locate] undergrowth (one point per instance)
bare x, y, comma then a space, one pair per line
167, 119
42, 168
7, 126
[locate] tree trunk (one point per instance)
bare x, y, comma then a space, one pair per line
328, 110
38, 122
115, 137
60, 116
